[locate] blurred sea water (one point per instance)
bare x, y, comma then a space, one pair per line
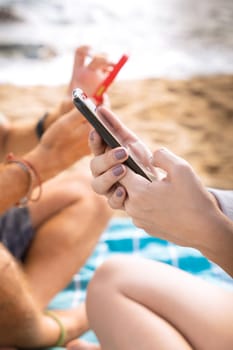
164, 38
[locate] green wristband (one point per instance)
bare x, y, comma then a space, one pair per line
62, 337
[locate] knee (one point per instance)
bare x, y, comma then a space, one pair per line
97, 207
108, 273
81, 195
85, 219
106, 282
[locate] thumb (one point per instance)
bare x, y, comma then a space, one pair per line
166, 160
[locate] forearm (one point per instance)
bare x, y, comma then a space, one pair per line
20, 176
14, 183
220, 247
21, 137
63, 144
222, 252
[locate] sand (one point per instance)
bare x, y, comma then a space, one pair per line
193, 118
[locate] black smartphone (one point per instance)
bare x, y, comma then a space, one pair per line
88, 110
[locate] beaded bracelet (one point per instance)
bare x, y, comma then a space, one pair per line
33, 175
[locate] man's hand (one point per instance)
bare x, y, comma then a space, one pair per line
89, 70
88, 75
64, 143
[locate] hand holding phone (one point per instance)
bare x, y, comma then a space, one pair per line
111, 130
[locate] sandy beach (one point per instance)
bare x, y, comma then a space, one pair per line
193, 117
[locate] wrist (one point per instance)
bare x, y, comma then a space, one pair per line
32, 175
45, 165
218, 246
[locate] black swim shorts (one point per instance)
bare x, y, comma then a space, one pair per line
16, 232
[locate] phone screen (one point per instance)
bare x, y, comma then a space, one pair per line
88, 109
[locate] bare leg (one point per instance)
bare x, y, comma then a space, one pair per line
140, 304
69, 220
21, 323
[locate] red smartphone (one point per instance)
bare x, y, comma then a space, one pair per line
98, 95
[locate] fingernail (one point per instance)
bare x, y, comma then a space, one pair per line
120, 154
119, 192
163, 149
92, 135
118, 170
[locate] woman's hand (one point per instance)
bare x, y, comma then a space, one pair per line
176, 207
171, 208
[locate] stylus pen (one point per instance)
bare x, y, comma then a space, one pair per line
98, 95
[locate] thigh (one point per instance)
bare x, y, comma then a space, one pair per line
201, 312
59, 193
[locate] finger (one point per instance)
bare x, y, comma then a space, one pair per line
116, 126
103, 162
81, 54
96, 143
117, 199
105, 100
168, 161
103, 184
101, 62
